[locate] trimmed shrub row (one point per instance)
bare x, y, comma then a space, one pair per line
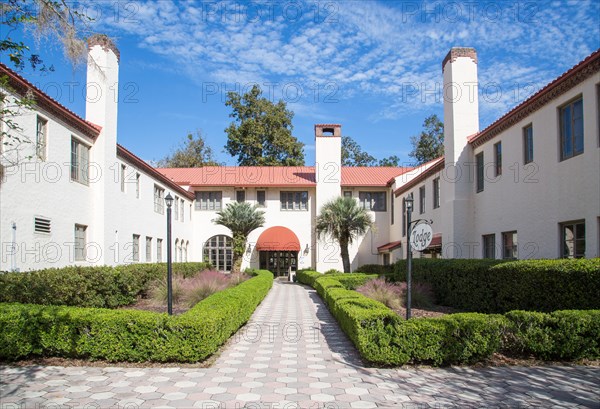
126, 335
97, 287
498, 286
384, 338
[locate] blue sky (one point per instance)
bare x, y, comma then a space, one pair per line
373, 66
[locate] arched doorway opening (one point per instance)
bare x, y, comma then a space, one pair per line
218, 251
278, 249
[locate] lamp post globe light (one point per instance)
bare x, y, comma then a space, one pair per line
408, 203
169, 202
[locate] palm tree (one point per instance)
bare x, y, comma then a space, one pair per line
344, 220
241, 219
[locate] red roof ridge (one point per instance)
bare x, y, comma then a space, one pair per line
553, 89
22, 85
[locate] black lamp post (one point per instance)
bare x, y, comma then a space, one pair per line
169, 202
408, 203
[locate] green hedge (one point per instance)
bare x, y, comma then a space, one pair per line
127, 335
498, 286
384, 338
98, 287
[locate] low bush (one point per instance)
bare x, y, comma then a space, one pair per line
498, 286
129, 335
333, 271
384, 338
100, 287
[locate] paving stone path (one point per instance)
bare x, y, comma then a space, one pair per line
293, 354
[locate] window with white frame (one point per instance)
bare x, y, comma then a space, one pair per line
528, 144
137, 185
498, 158
374, 201
436, 193
573, 239
135, 251
240, 196
261, 196
80, 242
123, 170
159, 250
489, 246
148, 249
209, 200
80, 161
480, 171
422, 199
176, 206
509, 245
571, 129
297, 201
181, 210
159, 199
218, 251
348, 193
41, 138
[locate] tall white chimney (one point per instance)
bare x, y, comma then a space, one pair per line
461, 120
328, 173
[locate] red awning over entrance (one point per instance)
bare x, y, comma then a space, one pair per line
389, 246
278, 238
436, 240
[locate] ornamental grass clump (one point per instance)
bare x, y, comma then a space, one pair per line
389, 294
204, 285
158, 292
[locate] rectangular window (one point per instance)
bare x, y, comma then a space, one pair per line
422, 199
176, 206
294, 200
480, 171
528, 144
123, 168
135, 255
498, 158
159, 199
80, 159
181, 205
403, 217
374, 201
436, 193
489, 246
159, 250
41, 138
208, 200
137, 185
573, 239
148, 249
509, 245
348, 193
261, 198
571, 129
41, 225
392, 206
80, 242
240, 196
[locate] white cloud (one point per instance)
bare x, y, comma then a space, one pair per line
366, 48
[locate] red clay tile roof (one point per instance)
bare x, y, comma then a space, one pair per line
142, 165
559, 86
277, 176
22, 86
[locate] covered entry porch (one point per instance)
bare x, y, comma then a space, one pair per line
278, 249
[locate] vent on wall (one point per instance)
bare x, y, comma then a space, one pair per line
41, 225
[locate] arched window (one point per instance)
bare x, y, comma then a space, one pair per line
218, 251
176, 251
185, 251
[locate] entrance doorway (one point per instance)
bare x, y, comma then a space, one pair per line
278, 262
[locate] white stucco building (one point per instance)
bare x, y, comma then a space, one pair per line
528, 186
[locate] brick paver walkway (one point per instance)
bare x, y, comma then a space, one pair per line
293, 351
